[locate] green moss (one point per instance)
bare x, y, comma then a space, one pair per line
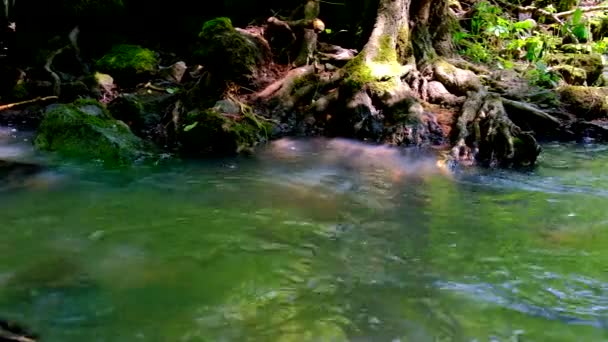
387, 53
128, 63
216, 26
85, 130
358, 73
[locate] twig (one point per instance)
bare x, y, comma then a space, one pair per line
38, 99
583, 10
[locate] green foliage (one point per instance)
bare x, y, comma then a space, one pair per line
578, 26
127, 62
543, 76
601, 46
495, 37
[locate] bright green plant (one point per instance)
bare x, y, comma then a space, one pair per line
543, 76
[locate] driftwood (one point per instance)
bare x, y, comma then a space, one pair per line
38, 99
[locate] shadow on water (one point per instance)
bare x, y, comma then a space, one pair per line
312, 240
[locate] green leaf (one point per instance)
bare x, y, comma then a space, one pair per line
171, 90
328, 30
577, 16
191, 126
527, 24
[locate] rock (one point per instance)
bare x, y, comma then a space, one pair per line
591, 63
226, 53
85, 129
595, 129
74, 90
585, 102
174, 73
577, 48
572, 75
211, 132
227, 107
130, 110
128, 64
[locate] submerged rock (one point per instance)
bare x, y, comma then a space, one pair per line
86, 130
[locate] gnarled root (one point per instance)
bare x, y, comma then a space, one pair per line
485, 133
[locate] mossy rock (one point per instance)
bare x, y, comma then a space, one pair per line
128, 109
599, 27
577, 48
585, 102
591, 63
572, 75
86, 130
128, 64
210, 132
229, 55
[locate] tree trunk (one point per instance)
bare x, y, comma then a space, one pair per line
385, 89
405, 53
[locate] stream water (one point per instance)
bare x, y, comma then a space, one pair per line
299, 248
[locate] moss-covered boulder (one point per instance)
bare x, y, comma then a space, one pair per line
227, 54
128, 64
212, 132
587, 103
85, 129
591, 63
572, 75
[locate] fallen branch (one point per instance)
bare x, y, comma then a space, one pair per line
531, 9
38, 99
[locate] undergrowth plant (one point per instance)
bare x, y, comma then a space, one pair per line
493, 36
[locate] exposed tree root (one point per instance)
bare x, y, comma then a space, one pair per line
532, 111
485, 133
288, 89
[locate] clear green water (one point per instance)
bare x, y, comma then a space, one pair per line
261, 250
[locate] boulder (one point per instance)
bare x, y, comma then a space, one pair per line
587, 103
86, 130
572, 75
591, 63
